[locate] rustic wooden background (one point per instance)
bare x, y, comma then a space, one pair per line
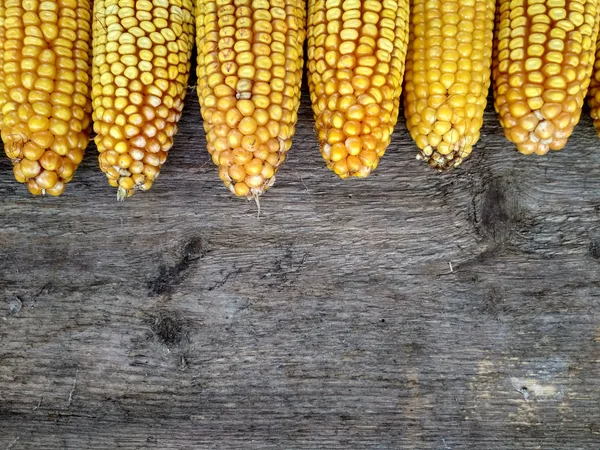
410, 310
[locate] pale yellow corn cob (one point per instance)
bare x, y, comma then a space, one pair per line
140, 72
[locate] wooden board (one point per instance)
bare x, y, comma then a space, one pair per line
410, 310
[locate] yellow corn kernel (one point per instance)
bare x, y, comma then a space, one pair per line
44, 96
356, 53
250, 113
140, 70
541, 82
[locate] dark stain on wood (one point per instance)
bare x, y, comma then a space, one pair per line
170, 276
169, 330
594, 250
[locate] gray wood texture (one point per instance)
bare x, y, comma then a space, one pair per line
409, 310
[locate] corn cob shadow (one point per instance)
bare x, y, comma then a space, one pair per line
44, 76
141, 67
250, 62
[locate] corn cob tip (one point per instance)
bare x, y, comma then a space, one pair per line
252, 193
351, 165
122, 194
459, 152
252, 179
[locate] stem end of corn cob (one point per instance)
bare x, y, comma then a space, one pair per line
459, 152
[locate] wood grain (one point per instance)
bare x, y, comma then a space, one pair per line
410, 310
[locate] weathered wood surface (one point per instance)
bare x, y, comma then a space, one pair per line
410, 310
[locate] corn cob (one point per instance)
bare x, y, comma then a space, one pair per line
44, 89
356, 53
448, 70
544, 52
3, 91
249, 76
594, 91
140, 72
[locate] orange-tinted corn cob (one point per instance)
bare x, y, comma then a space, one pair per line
448, 70
544, 52
140, 72
44, 90
356, 53
249, 75
594, 92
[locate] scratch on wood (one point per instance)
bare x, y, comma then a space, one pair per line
36, 407
303, 183
521, 390
12, 444
73, 389
226, 278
